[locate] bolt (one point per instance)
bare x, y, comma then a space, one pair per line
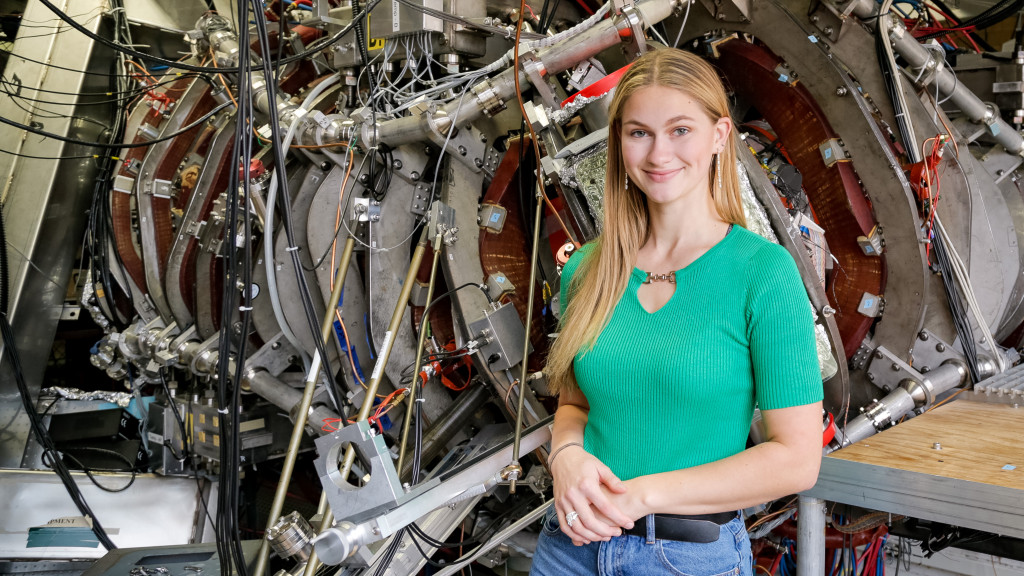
1000, 172
937, 446
415, 176
828, 310
895, 367
878, 353
479, 163
293, 359
828, 30
483, 138
871, 377
814, 18
396, 164
462, 150
325, 166
364, 178
842, 91
940, 347
275, 346
925, 369
923, 336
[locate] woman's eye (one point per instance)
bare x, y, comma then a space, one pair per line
637, 133
682, 131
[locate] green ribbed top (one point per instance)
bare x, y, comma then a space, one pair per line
677, 388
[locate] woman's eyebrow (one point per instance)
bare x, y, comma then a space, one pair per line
673, 120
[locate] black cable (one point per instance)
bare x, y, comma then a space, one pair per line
454, 290
27, 59
42, 435
67, 453
284, 199
184, 130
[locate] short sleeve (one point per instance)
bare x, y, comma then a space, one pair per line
568, 271
780, 329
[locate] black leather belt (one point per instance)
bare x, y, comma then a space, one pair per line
698, 528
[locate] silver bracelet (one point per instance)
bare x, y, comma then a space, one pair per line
551, 458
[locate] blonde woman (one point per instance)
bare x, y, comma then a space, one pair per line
677, 321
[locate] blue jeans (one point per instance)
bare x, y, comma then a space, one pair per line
628, 555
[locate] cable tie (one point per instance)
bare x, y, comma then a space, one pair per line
291, 249
245, 308
421, 399
222, 411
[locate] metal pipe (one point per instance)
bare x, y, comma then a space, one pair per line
911, 394
326, 520
284, 396
917, 56
298, 430
810, 535
424, 325
555, 59
514, 469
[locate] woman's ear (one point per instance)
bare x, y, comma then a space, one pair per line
722, 129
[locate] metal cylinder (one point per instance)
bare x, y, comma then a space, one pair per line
943, 78
810, 535
292, 536
284, 396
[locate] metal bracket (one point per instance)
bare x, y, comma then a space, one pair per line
729, 10
833, 150
534, 69
887, 370
930, 351
124, 184
159, 188
442, 222
831, 17
631, 32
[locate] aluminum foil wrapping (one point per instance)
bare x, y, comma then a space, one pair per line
585, 172
122, 399
565, 114
757, 218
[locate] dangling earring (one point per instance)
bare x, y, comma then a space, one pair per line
718, 173
627, 182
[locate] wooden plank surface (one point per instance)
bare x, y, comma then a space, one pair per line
980, 443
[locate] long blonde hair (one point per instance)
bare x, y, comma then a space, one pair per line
601, 278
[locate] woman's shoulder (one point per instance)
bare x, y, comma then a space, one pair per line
578, 256
754, 249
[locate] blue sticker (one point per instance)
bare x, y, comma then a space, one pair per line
828, 153
869, 302
813, 39
501, 279
61, 536
1009, 467
495, 217
868, 249
783, 78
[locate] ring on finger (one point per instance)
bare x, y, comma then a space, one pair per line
571, 517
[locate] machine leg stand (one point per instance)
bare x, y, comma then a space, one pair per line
810, 536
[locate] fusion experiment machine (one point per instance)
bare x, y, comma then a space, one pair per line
321, 241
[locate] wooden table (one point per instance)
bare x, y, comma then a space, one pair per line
960, 464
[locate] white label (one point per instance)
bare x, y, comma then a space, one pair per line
380, 358
155, 438
71, 522
395, 24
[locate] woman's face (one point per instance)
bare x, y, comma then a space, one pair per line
668, 143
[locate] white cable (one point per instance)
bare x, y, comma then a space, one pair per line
883, 30
268, 231
963, 277
682, 27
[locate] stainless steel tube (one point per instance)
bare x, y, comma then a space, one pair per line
810, 535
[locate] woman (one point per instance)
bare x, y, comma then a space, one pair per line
676, 322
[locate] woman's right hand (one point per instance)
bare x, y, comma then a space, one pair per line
578, 479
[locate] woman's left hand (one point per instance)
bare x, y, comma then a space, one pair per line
629, 501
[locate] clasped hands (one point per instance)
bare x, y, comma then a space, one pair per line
603, 504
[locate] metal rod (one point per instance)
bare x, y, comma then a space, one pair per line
424, 325
375, 378
298, 430
325, 522
810, 535
514, 466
